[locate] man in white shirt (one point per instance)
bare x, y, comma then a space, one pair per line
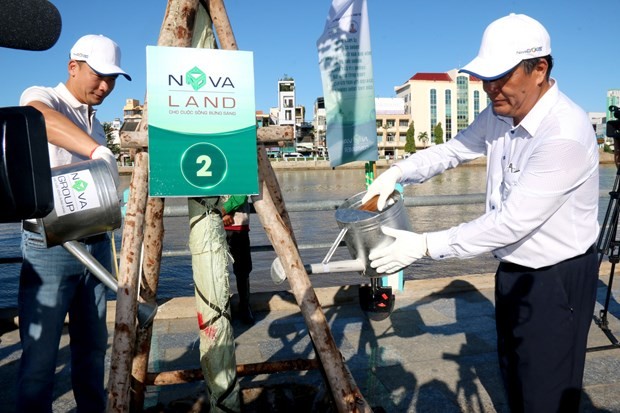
52, 282
540, 220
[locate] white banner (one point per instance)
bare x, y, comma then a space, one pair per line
345, 60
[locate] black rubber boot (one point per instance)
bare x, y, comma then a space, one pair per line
244, 310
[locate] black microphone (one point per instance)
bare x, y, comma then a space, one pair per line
29, 24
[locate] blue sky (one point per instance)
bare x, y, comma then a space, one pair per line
407, 36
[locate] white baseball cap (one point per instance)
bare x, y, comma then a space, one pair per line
101, 54
505, 43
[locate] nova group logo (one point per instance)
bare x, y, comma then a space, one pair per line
80, 185
74, 192
196, 78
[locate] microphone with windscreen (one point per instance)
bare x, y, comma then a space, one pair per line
29, 24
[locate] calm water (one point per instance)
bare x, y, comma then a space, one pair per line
313, 228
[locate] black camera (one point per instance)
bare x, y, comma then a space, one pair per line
25, 176
613, 126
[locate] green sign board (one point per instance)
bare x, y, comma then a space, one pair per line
202, 127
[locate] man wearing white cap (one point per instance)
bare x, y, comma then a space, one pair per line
540, 220
52, 282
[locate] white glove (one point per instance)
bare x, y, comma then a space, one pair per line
407, 248
103, 152
383, 186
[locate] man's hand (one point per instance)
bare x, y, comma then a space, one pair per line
407, 248
228, 220
103, 152
383, 186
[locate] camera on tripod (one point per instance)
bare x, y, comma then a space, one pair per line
613, 126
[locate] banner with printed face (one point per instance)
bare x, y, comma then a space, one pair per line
345, 61
202, 124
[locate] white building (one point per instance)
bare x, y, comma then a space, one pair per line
319, 121
452, 98
392, 125
115, 127
286, 102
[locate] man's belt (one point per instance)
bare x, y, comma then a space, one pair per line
32, 226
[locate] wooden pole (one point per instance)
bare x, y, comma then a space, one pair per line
177, 30
151, 265
126, 304
346, 393
269, 179
266, 134
188, 376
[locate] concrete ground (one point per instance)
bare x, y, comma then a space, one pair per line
434, 353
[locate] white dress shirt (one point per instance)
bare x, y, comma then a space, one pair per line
542, 184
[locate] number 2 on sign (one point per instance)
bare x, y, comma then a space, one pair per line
206, 163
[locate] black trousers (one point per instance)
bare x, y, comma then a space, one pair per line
543, 317
239, 246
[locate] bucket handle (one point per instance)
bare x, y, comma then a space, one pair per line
332, 249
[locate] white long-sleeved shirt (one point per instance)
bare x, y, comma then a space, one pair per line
542, 184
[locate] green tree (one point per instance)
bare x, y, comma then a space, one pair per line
410, 142
109, 138
438, 132
423, 137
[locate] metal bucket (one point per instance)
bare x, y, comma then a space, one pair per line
85, 203
361, 230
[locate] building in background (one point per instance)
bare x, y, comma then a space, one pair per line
115, 127
392, 125
452, 98
289, 113
319, 122
132, 115
263, 119
286, 101
132, 109
286, 109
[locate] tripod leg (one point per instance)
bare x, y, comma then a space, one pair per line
603, 313
609, 244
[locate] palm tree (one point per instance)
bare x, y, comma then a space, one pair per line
423, 137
